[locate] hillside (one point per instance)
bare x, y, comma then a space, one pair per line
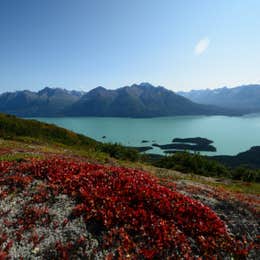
142, 100
243, 98
13, 128
248, 158
63, 197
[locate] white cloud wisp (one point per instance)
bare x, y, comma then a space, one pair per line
201, 46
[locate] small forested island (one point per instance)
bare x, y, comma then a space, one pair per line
188, 144
67, 196
195, 140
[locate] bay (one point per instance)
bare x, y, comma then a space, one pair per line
231, 135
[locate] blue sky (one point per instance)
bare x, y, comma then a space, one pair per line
81, 44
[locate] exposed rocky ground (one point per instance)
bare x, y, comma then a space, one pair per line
239, 212
38, 230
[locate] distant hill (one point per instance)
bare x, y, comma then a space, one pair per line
47, 102
144, 100
245, 99
248, 158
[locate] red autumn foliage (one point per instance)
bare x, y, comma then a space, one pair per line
135, 214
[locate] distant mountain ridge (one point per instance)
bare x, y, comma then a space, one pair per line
245, 99
46, 102
143, 100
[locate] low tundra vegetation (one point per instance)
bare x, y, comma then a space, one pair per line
130, 213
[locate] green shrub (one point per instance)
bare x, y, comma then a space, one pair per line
201, 165
245, 174
120, 152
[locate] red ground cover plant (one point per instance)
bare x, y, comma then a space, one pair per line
132, 213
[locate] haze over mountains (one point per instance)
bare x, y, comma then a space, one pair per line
143, 100
243, 98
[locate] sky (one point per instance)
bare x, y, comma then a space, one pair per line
82, 44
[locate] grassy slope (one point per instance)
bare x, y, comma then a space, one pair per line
32, 131
15, 128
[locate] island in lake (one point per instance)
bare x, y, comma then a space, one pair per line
198, 144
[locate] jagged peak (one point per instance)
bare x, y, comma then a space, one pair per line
146, 84
99, 88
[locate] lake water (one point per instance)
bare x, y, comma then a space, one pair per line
231, 135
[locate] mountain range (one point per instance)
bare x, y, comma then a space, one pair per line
245, 99
143, 100
47, 102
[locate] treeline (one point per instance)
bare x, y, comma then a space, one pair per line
194, 163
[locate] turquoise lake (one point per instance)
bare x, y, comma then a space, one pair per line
231, 135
